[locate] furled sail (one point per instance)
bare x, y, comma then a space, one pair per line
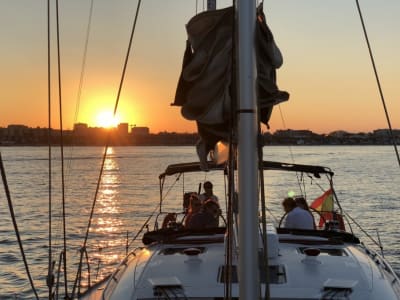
206, 87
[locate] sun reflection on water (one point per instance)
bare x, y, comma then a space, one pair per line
108, 237
107, 207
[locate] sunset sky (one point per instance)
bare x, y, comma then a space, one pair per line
326, 69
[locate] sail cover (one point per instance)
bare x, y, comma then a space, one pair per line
206, 87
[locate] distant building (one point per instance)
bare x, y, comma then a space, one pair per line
299, 137
17, 133
17, 130
123, 129
384, 136
140, 130
80, 128
386, 132
295, 133
338, 134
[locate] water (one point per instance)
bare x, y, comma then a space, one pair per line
366, 180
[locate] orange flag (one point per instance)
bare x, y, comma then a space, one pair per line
324, 203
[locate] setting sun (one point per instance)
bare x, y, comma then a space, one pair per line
106, 119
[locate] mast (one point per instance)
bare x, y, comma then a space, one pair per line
247, 152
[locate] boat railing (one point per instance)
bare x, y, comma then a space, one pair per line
184, 235
170, 219
381, 261
377, 243
332, 235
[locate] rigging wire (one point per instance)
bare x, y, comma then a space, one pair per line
144, 225
378, 81
363, 230
108, 136
81, 80
231, 209
84, 57
10, 206
290, 149
61, 150
232, 195
299, 180
263, 217
264, 208
66, 177
50, 273
127, 57
284, 126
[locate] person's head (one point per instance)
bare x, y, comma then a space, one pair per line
208, 186
301, 202
212, 207
288, 204
195, 203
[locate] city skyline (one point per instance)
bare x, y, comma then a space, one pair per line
326, 67
82, 135
130, 127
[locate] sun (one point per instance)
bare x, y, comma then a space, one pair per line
106, 119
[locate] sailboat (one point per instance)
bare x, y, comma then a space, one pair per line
247, 256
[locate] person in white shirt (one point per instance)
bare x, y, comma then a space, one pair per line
296, 218
208, 193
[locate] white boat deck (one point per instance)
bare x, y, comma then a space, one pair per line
194, 270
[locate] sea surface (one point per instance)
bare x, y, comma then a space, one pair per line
367, 182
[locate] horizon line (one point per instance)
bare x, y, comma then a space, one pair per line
185, 132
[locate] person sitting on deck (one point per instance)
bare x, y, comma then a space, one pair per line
297, 218
302, 203
208, 192
194, 207
169, 220
207, 217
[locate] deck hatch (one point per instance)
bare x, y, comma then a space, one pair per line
338, 288
169, 287
180, 250
327, 251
